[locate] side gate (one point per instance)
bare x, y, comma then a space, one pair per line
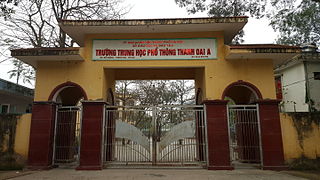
67, 135
161, 135
244, 134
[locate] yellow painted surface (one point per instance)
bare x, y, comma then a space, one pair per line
310, 146
21, 145
95, 77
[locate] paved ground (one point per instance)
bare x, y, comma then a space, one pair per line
150, 174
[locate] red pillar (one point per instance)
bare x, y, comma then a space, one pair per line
271, 138
41, 135
217, 135
91, 135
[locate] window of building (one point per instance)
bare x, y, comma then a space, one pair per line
316, 75
4, 108
278, 84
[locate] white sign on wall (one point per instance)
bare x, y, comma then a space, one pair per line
154, 49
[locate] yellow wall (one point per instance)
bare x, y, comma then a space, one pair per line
213, 75
310, 146
21, 144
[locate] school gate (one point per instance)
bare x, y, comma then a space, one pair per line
74, 120
158, 135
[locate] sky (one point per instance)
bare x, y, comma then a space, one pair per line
256, 31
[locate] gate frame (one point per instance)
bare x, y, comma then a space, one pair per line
259, 130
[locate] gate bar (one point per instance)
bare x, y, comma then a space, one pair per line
229, 134
259, 131
206, 133
54, 136
154, 135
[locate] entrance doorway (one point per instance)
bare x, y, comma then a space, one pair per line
156, 124
67, 128
244, 125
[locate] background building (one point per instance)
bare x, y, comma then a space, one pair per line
15, 98
298, 82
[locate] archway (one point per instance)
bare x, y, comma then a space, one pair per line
242, 92
68, 121
243, 122
68, 94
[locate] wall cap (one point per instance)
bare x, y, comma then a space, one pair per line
269, 102
44, 103
215, 102
93, 102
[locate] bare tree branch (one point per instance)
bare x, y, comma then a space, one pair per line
35, 22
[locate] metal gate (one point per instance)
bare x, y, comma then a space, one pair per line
161, 135
244, 133
67, 135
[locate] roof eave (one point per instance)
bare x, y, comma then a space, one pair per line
278, 54
77, 29
302, 57
32, 56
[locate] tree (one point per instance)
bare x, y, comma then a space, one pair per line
149, 93
184, 90
223, 8
35, 22
22, 70
297, 22
125, 91
156, 92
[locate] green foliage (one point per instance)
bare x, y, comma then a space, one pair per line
297, 23
224, 8
8, 159
192, 6
6, 7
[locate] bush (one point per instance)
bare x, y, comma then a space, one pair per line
304, 163
11, 161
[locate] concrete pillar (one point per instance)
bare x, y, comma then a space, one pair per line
91, 135
41, 135
271, 137
218, 138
